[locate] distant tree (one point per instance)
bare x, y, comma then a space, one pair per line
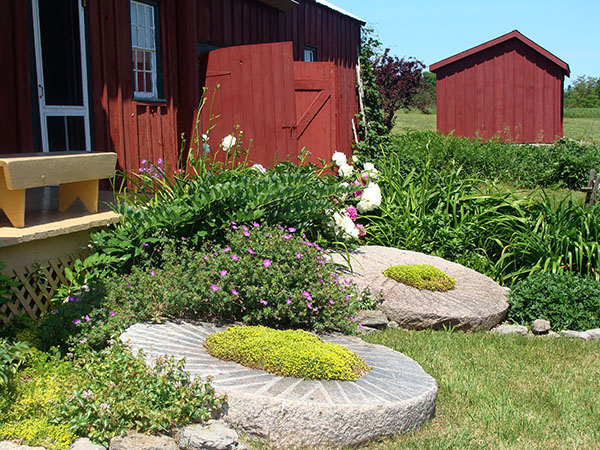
583, 93
425, 99
398, 80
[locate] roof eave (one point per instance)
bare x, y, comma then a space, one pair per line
282, 5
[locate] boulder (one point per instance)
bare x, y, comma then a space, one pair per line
214, 435
372, 318
594, 334
476, 303
576, 334
510, 329
540, 326
392, 324
137, 441
8, 445
85, 444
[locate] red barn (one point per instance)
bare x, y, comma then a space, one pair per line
127, 75
509, 87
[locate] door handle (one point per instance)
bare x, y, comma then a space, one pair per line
41, 89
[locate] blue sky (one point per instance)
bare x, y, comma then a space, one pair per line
433, 30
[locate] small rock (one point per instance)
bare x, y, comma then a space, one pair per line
540, 326
8, 445
392, 324
372, 318
510, 329
576, 334
365, 330
594, 334
136, 441
85, 444
553, 334
214, 435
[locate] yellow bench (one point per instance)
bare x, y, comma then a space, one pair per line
76, 174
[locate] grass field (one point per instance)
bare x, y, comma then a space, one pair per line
503, 392
580, 128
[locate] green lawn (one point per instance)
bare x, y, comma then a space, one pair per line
575, 128
503, 392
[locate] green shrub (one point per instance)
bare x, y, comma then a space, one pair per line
12, 355
288, 353
566, 300
421, 276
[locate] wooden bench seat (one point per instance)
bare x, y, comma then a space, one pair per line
76, 173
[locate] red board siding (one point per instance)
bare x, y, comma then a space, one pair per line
15, 106
508, 90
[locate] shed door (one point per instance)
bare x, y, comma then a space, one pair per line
59, 34
256, 93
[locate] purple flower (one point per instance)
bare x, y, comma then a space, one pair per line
144, 162
112, 314
280, 227
216, 253
255, 224
223, 273
321, 281
347, 297
252, 252
87, 318
332, 302
246, 234
226, 249
287, 236
307, 296
288, 301
145, 244
308, 305
235, 257
263, 302
234, 227
55, 311
183, 238
352, 212
291, 230
298, 255
160, 161
267, 262
244, 227
206, 258
233, 223
214, 287
234, 292
152, 273
77, 321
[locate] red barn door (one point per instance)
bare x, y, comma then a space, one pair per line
281, 105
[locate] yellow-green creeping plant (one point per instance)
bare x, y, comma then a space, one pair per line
289, 353
421, 276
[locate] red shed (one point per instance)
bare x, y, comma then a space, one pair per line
126, 75
509, 87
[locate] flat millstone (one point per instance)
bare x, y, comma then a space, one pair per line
395, 396
476, 303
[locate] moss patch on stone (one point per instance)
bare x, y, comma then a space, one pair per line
288, 353
421, 276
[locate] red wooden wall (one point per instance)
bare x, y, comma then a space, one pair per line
16, 125
509, 90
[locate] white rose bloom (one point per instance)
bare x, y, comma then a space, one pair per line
259, 167
370, 199
369, 169
339, 158
228, 142
345, 170
354, 159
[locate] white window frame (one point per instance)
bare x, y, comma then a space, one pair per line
141, 33
310, 53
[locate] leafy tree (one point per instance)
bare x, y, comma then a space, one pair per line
425, 99
583, 93
398, 80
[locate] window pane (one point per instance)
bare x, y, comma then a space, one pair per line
141, 15
76, 133
149, 40
134, 39
149, 19
57, 138
140, 82
141, 37
148, 58
133, 13
148, 82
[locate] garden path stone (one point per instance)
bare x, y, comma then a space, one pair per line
540, 326
137, 441
85, 444
583, 335
395, 396
372, 318
476, 302
214, 435
594, 334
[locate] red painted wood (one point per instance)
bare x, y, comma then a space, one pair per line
509, 90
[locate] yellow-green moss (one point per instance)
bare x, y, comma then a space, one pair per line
38, 432
289, 353
421, 276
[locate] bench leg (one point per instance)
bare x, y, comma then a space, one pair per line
87, 191
12, 203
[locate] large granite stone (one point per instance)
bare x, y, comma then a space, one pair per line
395, 396
137, 441
213, 435
476, 303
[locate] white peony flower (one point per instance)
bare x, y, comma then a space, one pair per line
354, 159
370, 170
344, 226
339, 159
344, 196
228, 142
370, 199
259, 167
345, 170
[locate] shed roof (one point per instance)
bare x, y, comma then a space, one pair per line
340, 10
283, 5
513, 34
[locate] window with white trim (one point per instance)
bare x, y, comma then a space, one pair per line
144, 38
310, 53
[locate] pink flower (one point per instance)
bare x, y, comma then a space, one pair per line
252, 252
145, 244
226, 249
87, 318
255, 224
244, 227
267, 262
152, 273
246, 234
361, 230
287, 236
291, 230
76, 321
223, 273
288, 301
234, 227
214, 287
234, 292
263, 302
183, 238
298, 255
352, 212
332, 302
112, 314
235, 257
206, 258
308, 305
307, 296
216, 253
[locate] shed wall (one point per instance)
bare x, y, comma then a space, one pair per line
508, 91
